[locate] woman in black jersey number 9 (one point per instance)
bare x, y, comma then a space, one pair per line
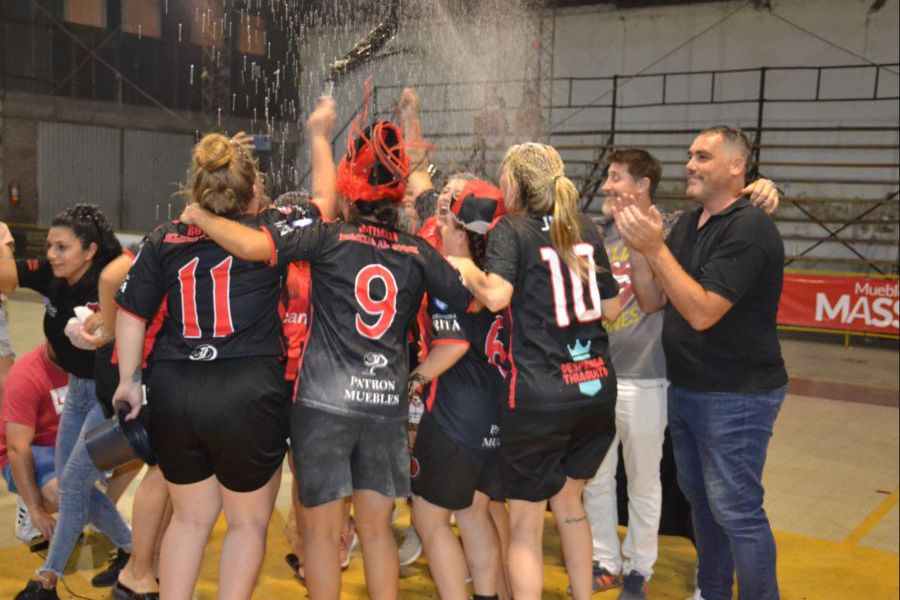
348, 422
547, 267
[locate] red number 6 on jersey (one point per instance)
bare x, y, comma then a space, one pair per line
385, 308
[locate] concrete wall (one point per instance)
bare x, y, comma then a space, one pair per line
21, 114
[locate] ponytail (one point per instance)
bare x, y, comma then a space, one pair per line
565, 229
537, 173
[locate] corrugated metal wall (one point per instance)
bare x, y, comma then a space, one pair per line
154, 165
130, 174
78, 163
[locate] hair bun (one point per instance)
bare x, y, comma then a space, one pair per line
214, 152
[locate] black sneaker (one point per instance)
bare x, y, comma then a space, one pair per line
35, 591
109, 577
634, 587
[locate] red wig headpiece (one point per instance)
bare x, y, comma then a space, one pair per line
376, 165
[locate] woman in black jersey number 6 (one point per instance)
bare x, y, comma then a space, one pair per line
348, 422
547, 266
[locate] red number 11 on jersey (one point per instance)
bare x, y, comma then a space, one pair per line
221, 282
582, 312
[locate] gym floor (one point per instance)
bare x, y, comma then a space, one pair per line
831, 479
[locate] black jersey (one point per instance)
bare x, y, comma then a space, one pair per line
367, 285
465, 400
61, 300
559, 350
219, 306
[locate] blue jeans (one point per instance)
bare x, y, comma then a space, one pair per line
43, 459
720, 442
80, 500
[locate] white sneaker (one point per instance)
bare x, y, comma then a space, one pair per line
411, 548
696, 595
25, 529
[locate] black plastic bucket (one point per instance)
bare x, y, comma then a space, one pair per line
117, 441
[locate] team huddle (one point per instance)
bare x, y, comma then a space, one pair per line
449, 348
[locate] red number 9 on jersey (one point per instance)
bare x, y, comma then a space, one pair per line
385, 308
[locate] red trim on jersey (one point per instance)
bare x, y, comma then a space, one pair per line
138, 317
425, 329
432, 393
305, 344
293, 308
474, 306
273, 258
513, 371
128, 252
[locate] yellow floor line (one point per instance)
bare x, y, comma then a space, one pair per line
874, 517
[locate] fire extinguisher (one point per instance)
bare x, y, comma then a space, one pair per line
14, 197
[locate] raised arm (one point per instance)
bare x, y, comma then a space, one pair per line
416, 148
324, 178
239, 240
763, 194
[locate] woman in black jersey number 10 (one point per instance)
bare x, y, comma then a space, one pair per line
348, 422
547, 266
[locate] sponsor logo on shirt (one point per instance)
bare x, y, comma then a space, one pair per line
58, 397
367, 388
492, 442
445, 323
440, 304
373, 361
206, 352
586, 371
51, 310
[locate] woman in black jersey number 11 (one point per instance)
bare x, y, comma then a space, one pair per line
547, 267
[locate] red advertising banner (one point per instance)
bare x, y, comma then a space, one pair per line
845, 303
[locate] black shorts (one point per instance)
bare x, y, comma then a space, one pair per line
446, 474
541, 448
335, 454
227, 418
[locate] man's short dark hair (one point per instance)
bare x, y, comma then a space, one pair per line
733, 136
640, 164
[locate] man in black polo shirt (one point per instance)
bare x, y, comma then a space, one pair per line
719, 277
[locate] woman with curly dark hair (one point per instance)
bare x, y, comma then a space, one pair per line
80, 243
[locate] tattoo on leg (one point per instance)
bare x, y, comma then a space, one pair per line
576, 519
